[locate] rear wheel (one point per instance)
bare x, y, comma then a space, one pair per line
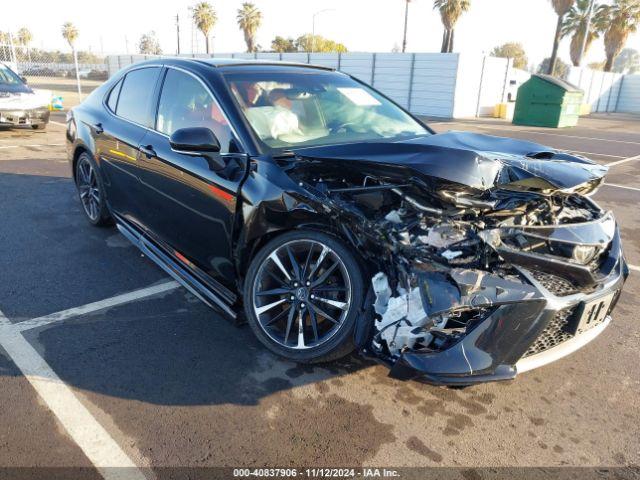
303, 292
91, 191
40, 126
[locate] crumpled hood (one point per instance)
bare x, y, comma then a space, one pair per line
475, 160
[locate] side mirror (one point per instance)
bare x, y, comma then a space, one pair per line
24, 79
198, 141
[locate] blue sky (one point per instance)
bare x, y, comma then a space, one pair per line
362, 25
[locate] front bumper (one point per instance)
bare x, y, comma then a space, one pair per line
527, 327
24, 117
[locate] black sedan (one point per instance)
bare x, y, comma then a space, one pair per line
335, 220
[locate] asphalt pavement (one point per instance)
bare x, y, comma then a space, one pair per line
105, 362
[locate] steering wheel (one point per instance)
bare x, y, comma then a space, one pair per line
335, 128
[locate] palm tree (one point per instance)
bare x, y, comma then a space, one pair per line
24, 36
249, 20
24, 39
5, 53
406, 21
205, 18
450, 12
575, 24
70, 34
624, 17
561, 7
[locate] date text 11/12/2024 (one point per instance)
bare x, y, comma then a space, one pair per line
316, 473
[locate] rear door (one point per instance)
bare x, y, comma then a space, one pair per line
118, 139
191, 206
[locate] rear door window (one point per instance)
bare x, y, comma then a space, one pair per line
112, 102
135, 96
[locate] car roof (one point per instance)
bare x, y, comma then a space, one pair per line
230, 62
234, 62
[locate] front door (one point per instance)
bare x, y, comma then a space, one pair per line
191, 207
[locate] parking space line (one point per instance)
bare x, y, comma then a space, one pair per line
622, 186
94, 441
622, 157
96, 306
634, 268
630, 159
598, 154
58, 123
4, 147
503, 129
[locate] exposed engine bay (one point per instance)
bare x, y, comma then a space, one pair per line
447, 255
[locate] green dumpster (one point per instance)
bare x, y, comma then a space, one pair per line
546, 101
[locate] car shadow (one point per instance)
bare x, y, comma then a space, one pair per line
173, 350
169, 349
191, 387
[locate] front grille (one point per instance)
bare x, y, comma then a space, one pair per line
554, 334
560, 287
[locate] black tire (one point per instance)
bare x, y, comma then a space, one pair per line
98, 212
329, 340
40, 126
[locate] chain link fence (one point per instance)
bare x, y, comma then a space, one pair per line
69, 77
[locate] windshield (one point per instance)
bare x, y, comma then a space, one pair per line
7, 77
310, 108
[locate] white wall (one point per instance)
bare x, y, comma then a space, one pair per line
601, 89
467, 86
446, 85
424, 83
629, 100
392, 75
483, 82
434, 83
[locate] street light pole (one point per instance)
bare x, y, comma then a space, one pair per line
406, 21
178, 31
587, 28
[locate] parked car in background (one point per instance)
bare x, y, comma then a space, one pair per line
82, 72
337, 220
42, 72
98, 75
20, 105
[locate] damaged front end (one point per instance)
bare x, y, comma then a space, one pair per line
483, 264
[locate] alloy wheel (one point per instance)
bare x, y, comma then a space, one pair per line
302, 294
88, 188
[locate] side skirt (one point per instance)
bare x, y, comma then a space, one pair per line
175, 270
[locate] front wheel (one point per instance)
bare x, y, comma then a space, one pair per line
302, 295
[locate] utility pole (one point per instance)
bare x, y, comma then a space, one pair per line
75, 61
178, 31
406, 21
192, 37
587, 29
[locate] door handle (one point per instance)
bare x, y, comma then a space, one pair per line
98, 128
148, 151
